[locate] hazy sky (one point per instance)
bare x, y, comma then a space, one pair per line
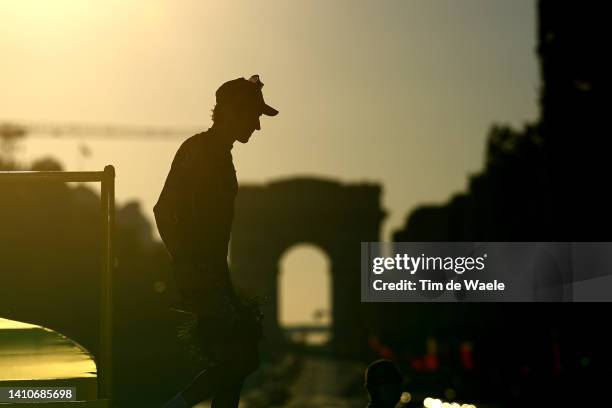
400, 93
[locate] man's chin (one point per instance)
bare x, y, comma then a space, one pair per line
244, 139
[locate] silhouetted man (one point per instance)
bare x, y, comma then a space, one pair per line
194, 216
383, 380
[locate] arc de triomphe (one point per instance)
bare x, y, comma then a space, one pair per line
336, 217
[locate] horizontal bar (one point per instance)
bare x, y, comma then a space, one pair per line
65, 176
74, 129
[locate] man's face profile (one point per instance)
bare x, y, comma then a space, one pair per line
244, 122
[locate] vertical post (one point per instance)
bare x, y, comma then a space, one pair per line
105, 379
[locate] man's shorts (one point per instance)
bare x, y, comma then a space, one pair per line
223, 328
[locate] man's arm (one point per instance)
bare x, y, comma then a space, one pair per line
167, 210
166, 220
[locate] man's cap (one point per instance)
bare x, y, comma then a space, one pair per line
242, 92
381, 372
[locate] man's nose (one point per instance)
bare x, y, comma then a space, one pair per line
257, 124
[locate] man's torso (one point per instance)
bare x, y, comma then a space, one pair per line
202, 186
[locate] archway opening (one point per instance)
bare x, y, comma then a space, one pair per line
305, 295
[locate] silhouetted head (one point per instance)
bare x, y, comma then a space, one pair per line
240, 103
383, 380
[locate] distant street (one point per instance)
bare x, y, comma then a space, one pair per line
321, 384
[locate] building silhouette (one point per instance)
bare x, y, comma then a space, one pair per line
336, 217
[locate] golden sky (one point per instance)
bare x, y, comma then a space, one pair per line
399, 92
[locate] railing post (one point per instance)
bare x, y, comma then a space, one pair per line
105, 378
107, 258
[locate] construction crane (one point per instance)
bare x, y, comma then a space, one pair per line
10, 131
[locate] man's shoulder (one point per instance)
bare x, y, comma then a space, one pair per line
192, 141
190, 150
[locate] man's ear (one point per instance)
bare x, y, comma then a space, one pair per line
226, 113
232, 111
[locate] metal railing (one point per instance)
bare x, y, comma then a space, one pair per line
106, 179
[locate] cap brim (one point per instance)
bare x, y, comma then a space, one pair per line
268, 110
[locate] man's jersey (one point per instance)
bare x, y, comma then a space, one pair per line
195, 210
